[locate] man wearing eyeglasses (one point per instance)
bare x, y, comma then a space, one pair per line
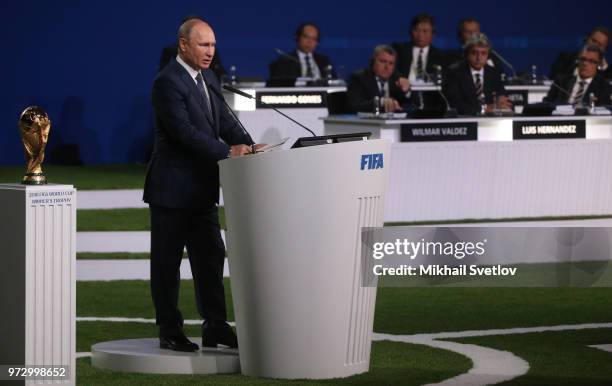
576, 89
566, 61
303, 62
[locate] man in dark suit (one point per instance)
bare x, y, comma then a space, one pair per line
417, 59
193, 131
472, 85
378, 80
465, 29
303, 62
565, 63
586, 82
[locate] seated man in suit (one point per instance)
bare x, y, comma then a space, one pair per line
473, 85
418, 58
465, 29
587, 80
303, 62
378, 80
565, 64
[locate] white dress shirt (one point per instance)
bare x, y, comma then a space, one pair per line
193, 73
316, 73
415, 58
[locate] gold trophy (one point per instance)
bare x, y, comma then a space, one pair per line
34, 126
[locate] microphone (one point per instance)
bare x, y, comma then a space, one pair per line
286, 55
450, 112
218, 93
563, 90
560, 88
504, 61
242, 93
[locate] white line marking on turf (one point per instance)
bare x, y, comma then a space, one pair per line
117, 319
605, 347
83, 355
135, 269
110, 199
123, 241
490, 366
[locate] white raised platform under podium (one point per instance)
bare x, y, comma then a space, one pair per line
37, 279
145, 356
294, 220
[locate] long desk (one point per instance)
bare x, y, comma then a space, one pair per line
266, 126
494, 175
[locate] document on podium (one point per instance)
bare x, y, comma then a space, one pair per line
272, 146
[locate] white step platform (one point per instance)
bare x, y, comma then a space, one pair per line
145, 356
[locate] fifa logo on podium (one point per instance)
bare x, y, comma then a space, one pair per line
372, 161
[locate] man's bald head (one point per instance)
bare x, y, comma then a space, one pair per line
187, 26
197, 43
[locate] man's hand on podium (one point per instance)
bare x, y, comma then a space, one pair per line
239, 150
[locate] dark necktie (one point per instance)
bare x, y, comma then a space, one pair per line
309, 73
420, 70
381, 89
479, 88
580, 93
201, 87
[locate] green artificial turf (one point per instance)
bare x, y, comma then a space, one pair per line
133, 219
391, 363
556, 358
398, 310
496, 220
91, 177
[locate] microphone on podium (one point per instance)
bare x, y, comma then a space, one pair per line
244, 94
218, 93
286, 55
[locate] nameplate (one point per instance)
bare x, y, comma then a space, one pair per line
448, 131
575, 128
518, 97
289, 99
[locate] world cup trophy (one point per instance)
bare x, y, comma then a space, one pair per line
34, 126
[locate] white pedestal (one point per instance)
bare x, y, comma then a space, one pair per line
294, 220
145, 356
37, 279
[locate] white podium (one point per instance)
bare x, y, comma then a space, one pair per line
294, 222
37, 279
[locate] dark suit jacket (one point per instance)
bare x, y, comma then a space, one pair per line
565, 64
458, 86
362, 88
598, 86
171, 51
404, 58
283, 67
183, 171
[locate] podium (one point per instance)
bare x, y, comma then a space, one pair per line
38, 279
294, 220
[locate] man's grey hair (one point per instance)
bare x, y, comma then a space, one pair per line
380, 49
187, 25
478, 39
